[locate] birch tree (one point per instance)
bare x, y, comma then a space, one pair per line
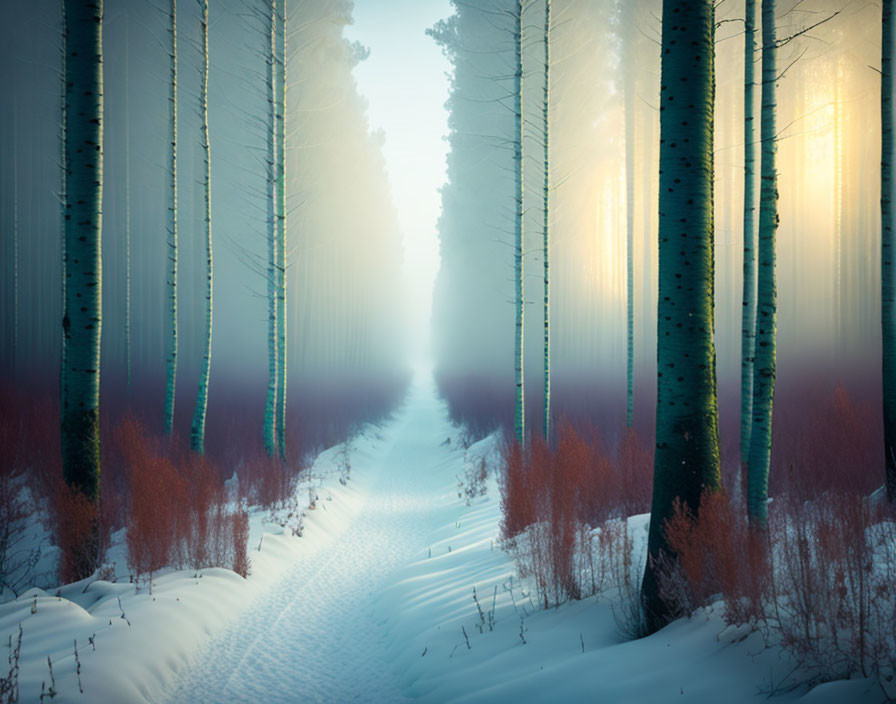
765, 368
127, 203
82, 264
280, 269
197, 431
748, 312
271, 403
519, 417
15, 237
171, 242
686, 461
546, 133
63, 177
629, 97
888, 271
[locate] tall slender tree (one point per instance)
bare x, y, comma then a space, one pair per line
686, 460
280, 270
127, 202
765, 365
748, 312
841, 250
63, 177
629, 97
888, 271
519, 416
271, 407
197, 431
171, 241
82, 314
15, 235
546, 132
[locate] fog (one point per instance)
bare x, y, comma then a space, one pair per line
345, 307
364, 215
828, 241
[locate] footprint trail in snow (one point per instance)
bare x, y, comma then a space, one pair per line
313, 636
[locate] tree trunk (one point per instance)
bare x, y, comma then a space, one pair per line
748, 312
82, 314
629, 94
281, 242
15, 237
127, 207
63, 176
765, 368
546, 106
888, 272
686, 462
841, 254
519, 416
197, 432
171, 282
270, 410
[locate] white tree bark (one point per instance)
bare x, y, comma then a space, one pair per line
197, 431
281, 241
748, 312
888, 271
127, 205
171, 273
519, 420
270, 410
82, 314
546, 106
629, 96
765, 365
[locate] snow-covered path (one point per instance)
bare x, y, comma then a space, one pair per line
314, 636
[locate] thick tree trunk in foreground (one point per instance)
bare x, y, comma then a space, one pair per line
765, 365
82, 314
197, 431
686, 462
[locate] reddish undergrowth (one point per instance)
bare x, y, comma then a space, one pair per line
173, 502
557, 496
819, 581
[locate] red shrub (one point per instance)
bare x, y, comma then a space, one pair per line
76, 533
157, 514
833, 446
557, 495
240, 521
178, 511
268, 482
835, 564
634, 463
517, 501
715, 553
205, 495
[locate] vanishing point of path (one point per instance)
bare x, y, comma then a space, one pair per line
313, 636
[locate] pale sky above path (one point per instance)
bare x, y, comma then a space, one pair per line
404, 80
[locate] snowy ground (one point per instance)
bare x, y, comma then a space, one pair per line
374, 603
